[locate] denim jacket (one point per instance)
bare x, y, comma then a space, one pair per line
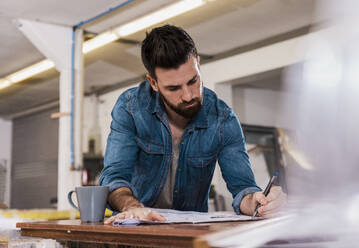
139, 151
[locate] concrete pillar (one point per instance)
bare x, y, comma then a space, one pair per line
55, 42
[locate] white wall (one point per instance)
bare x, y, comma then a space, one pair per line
259, 106
97, 117
5, 151
262, 107
106, 103
91, 127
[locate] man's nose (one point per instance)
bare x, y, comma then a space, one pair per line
187, 94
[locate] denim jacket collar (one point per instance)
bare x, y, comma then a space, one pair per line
155, 106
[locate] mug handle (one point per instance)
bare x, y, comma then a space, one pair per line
69, 197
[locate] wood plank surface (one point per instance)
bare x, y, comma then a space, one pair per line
159, 235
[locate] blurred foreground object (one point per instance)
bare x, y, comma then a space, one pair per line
321, 105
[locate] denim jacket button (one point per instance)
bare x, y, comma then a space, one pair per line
176, 191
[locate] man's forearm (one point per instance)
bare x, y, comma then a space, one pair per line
122, 199
248, 204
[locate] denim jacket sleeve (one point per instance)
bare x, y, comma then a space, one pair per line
121, 150
234, 161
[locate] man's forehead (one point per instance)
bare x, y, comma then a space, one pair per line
180, 75
169, 81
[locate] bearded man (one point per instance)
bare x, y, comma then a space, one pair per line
167, 135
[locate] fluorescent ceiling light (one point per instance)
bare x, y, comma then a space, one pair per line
31, 71
99, 41
158, 16
27, 72
108, 37
141, 23
4, 83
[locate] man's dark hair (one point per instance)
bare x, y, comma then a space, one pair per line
166, 47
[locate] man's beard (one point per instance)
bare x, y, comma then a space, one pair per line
182, 109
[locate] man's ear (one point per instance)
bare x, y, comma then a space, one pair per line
198, 61
153, 82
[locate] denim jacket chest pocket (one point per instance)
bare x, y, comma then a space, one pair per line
150, 156
201, 157
200, 170
201, 161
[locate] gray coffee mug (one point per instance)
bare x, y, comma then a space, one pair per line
92, 202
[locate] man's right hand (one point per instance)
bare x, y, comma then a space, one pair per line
137, 213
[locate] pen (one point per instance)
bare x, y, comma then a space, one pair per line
266, 191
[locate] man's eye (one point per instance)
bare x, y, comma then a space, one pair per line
173, 88
192, 81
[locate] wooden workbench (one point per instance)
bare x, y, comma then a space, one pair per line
73, 233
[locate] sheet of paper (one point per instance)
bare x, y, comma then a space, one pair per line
192, 217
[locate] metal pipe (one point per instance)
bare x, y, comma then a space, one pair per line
102, 14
